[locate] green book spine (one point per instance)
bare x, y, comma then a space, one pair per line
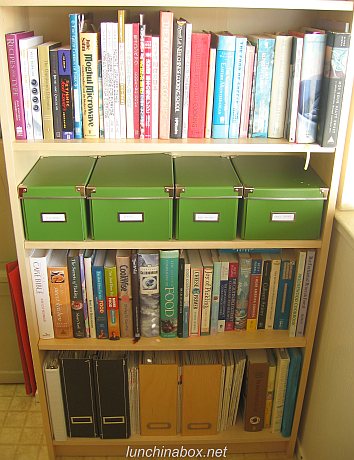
110, 275
169, 293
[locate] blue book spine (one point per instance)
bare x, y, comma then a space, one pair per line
263, 86
224, 67
215, 302
224, 282
74, 44
291, 390
65, 89
169, 293
285, 289
100, 302
237, 86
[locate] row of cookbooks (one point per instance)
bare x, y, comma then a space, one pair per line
171, 293
109, 394
123, 81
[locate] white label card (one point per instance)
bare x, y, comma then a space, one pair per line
283, 216
53, 217
206, 217
131, 217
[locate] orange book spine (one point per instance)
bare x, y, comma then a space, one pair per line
59, 293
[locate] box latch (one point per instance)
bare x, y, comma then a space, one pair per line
324, 191
89, 191
21, 189
81, 189
247, 190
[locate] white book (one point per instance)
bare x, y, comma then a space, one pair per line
207, 262
52, 381
281, 378
113, 27
121, 68
88, 258
129, 80
273, 290
24, 45
155, 87
38, 264
187, 79
33, 69
210, 93
105, 81
305, 293
295, 301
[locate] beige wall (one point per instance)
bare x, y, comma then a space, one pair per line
327, 423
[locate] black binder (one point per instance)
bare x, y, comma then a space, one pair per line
112, 394
76, 370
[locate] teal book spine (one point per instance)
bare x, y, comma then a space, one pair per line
169, 293
291, 390
76, 73
285, 289
237, 87
215, 300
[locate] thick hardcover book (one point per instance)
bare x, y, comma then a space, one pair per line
147, 86
334, 72
135, 295
89, 83
207, 262
263, 83
198, 84
224, 277
281, 378
243, 289
155, 85
59, 292
136, 78
128, 55
76, 299
121, 67
215, 299
255, 390
247, 90
36, 104
295, 301
186, 294
187, 78
110, 279
142, 32
195, 308
107, 80
270, 387
13, 57
237, 86
89, 256
149, 292
75, 19
99, 292
305, 293
66, 95
291, 390
76, 370
56, 102
166, 39
285, 289
263, 301
39, 262
84, 291
178, 53
254, 291
112, 394
180, 319
273, 290
115, 97
224, 69
124, 292
231, 292
46, 87
169, 293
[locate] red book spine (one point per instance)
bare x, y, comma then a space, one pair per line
166, 37
231, 296
136, 79
198, 84
148, 69
13, 58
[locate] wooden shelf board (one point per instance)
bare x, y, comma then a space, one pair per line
221, 341
183, 146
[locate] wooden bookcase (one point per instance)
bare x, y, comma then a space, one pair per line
238, 16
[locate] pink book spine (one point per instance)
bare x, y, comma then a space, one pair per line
148, 69
136, 79
166, 37
247, 90
13, 57
198, 84
232, 286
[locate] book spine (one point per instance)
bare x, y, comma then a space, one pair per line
252, 98
225, 57
305, 294
291, 391
270, 396
180, 319
135, 295
265, 60
206, 300
231, 297
147, 89
166, 38
59, 294
110, 278
125, 296
187, 79
195, 301
246, 91
89, 82
215, 303
272, 293
149, 292
41, 297
254, 294
263, 301
122, 83
155, 75
136, 78
46, 92
224, 277
295, 302
100, 302
55, 86
255, 398
335, 69
84, 293
198, 84
36, 93
65, 91
237, 85
279, 394
90, 296
100, 98
243, 287
107, 87
76, 76
142, 32
115, 79
282, 309
129, 80
169, 293
186, 301
210, 93
77, 306
26, 92
178, 52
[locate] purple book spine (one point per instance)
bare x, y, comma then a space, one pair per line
13, 57
66, 96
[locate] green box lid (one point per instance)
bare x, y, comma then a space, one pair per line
278, 177
132, 176
57, 177
207, 177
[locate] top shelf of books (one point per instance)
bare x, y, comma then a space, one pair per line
325, 5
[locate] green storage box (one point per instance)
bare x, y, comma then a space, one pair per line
131, 197
207, 196
281, 199
53, 198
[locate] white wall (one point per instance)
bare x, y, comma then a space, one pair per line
327, 423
